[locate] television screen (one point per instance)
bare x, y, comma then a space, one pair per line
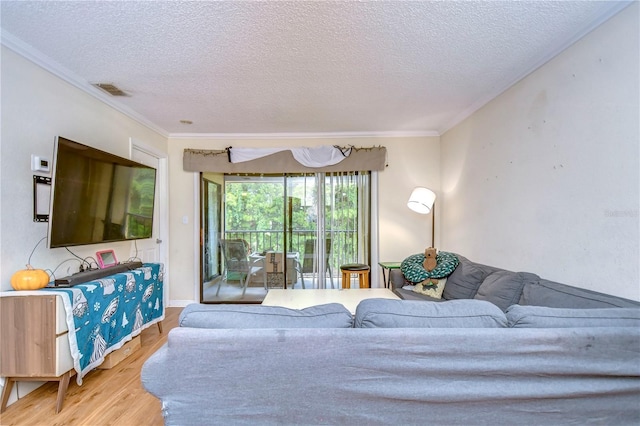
98, 197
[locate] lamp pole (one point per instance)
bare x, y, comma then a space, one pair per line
433, 225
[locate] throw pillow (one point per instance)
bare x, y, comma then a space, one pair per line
464, 281
386, 313
504, 288
330, 315
429, 289
413, 270
545, 317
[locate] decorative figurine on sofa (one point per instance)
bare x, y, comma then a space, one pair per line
430, 263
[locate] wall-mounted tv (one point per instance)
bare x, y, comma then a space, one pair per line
98, 197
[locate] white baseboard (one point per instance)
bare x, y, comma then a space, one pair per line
180, 303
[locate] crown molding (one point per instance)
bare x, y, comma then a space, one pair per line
306, 135
599, 19
28, 52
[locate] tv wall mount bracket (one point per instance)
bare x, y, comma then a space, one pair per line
41, 197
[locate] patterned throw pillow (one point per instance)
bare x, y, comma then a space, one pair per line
432, 290
414, 271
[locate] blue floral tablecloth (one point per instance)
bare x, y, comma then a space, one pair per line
104, 314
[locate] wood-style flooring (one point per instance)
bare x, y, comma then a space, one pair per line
106, 397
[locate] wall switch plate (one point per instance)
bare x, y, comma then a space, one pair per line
40, 164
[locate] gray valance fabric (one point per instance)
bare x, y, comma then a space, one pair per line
360, 159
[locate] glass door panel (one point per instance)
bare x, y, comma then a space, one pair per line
346, 219
302, 227
255, 213
210, 256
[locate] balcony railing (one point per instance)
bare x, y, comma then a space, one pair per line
344, 244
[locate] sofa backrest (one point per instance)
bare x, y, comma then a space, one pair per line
234, 316
557, 295
504, 288
483, 376
386, 313
545, 317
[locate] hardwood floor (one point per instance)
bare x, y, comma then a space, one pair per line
106, 397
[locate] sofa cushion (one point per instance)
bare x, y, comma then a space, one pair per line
464, 281
545, 317
556, 295
386, 313
331, 315
504, 288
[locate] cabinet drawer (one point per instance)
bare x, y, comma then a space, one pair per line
35, 340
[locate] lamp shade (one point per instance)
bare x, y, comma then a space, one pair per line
421, 200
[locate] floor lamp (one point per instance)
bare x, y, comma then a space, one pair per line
422, 200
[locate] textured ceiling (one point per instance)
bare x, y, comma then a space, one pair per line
337, 67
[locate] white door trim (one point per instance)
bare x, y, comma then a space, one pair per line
197, 264
163, 204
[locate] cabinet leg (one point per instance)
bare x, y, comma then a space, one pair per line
160, 326
62, 390
6, 391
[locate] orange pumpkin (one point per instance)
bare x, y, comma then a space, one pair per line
29, 279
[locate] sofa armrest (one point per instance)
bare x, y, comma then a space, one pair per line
396, 279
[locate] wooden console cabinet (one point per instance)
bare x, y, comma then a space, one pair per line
35, 345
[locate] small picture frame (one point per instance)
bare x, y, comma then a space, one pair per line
106, 258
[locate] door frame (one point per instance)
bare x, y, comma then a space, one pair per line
375, 223
163, 205
203, 186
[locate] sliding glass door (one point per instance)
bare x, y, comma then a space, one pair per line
315, 221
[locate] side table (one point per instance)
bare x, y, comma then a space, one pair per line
388, 266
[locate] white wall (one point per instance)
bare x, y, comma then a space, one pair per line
545, 178
37, 107
412, 162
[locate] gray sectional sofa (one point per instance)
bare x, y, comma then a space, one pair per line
504, 288
457, 362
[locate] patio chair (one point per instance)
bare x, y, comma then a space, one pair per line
309, 260
275, 268
237, 264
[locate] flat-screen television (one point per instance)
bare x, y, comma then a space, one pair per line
98, 197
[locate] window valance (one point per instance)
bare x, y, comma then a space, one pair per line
219, 161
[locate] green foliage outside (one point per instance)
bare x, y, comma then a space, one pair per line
254, 206
140, 207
